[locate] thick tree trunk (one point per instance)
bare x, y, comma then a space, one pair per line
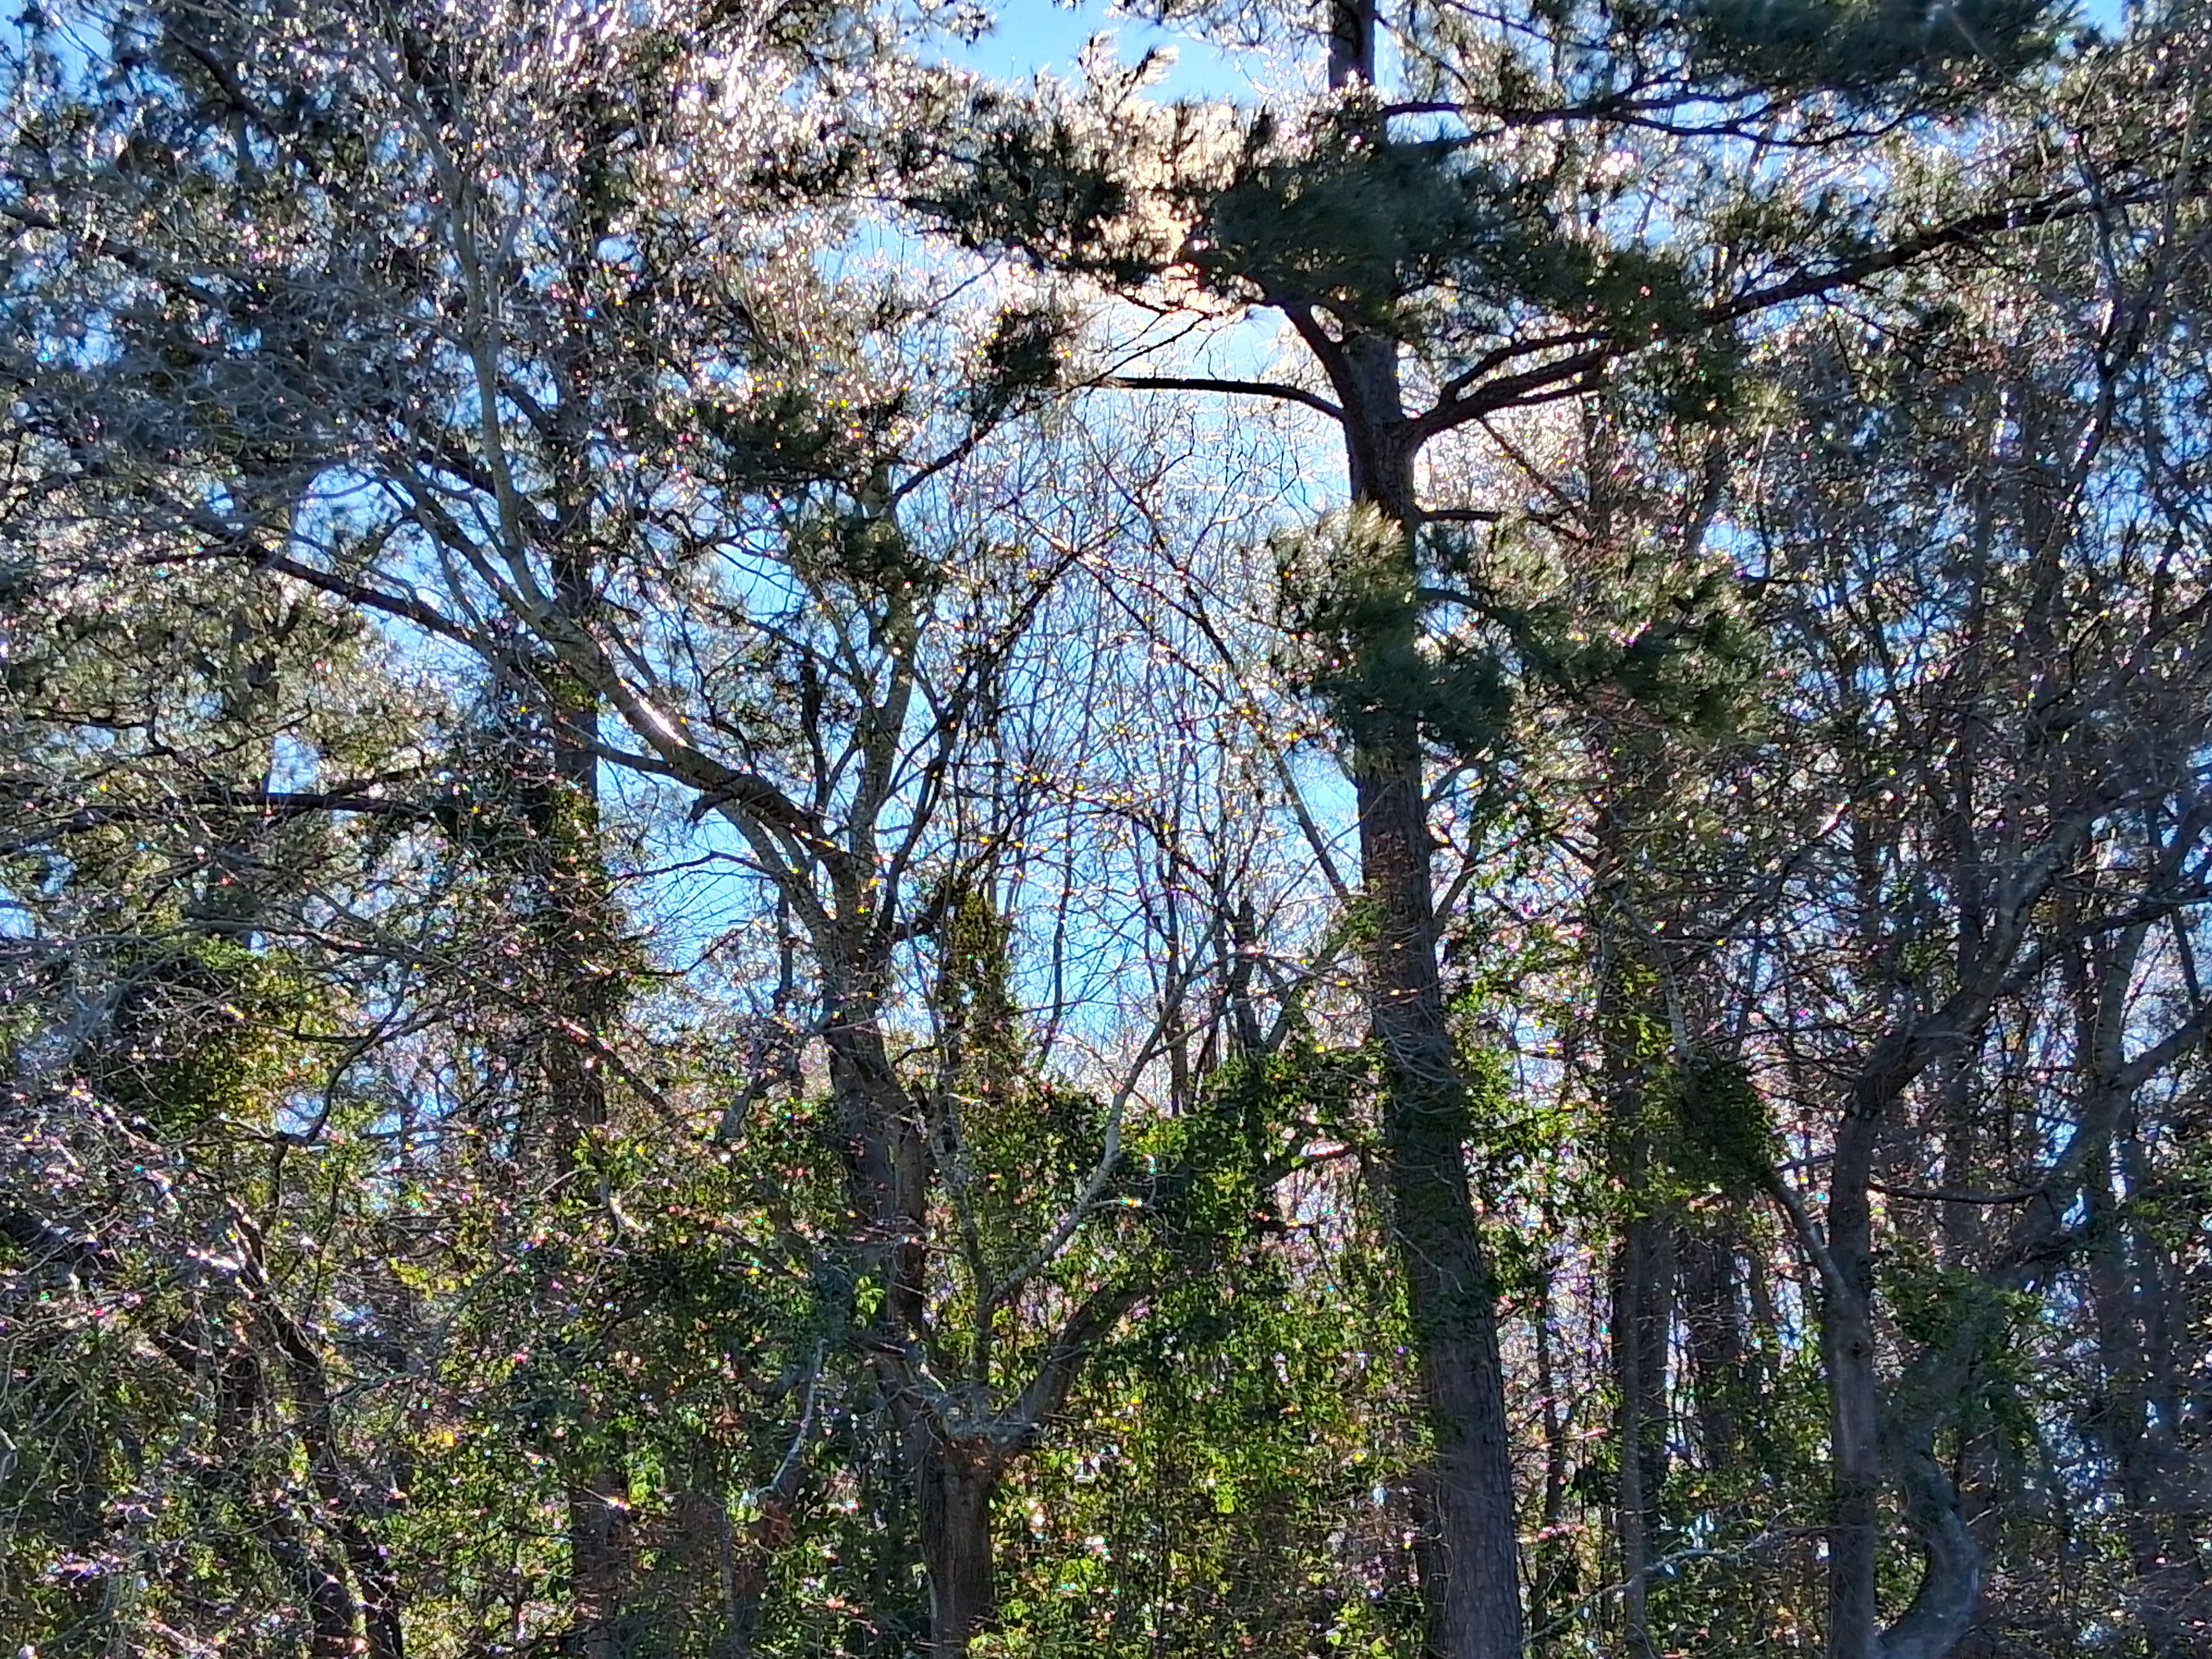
744, 1557
1863, 1448
1713, 1325
320, 1582
244, 1404
1472, 1594
316, 1425
954, 1482
1942, 1611
951, 1479
1642, 1291
1470, 1587
1644, 1275
579, 928
598, 1552
885, 1152
1847, 1344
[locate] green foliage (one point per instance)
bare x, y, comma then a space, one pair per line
206, 1037
1352, 612
1458, 640
1212, 1170
1040, 185
1725, 1140
1239, 1480
1672, 641
1376, 230
388, 1179
789, 434
1023, 356
1881, 52
975, 984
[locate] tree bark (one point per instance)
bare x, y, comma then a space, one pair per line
1472, 1594
597, 1536
1713, 1324
955, 1481
1471, 1584
952, 1479
1554, 1581
578, 930
1863, 1447
1847, 1350
2130, 1296
1643, 1287
1643, 1314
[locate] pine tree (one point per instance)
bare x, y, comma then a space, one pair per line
1521, 209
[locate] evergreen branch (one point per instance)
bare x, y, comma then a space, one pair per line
1208, 383
366, 595
260, 803
1543, 384
2029, 215
1468, 397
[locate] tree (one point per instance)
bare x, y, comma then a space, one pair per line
596, 430
207, 863
2010, 825
1490, 239
686, 981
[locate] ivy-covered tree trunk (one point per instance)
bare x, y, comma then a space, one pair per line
1714, 1334
951, 1478
584, 992
886, 1176
1471, 1588
577, 938
1642, 1306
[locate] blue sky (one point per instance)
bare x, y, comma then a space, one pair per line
1033, 35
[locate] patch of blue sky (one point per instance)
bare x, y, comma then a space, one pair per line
69, 37
1041, 37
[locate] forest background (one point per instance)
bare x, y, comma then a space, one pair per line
1394, 845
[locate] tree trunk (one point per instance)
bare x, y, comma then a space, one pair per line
1471, 1581
1943, 1608
2127, 1290
951, 1479
1471, 1589
1643, 1314
598, 1541
1713, 1324
744, 1560
579, 929
320, 1582
1630, 795
1554, 1581
954, 1482
1472, 1597
1847, 1350
1643, 1286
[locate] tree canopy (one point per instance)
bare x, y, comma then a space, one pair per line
804, 854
